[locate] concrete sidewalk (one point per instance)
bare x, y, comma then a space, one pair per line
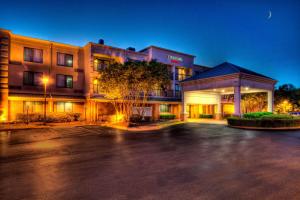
208, 121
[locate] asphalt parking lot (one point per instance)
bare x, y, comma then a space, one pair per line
186, 161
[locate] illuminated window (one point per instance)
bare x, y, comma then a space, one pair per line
100, 64
32, 78
64, 107
64, 81
64, 59
96, 86
180, 74
33, 107
33, 55
165, 108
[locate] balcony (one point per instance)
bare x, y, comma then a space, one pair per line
166, 93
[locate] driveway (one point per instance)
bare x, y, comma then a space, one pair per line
186, 161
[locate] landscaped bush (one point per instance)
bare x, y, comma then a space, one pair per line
58, 117
256, 115
138, 118
51, 117
31, 117
277, 116
75, 116
206, 116
167, 116
268, 121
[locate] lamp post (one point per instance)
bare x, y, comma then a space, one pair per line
45, 82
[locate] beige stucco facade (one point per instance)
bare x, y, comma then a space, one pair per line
18, 97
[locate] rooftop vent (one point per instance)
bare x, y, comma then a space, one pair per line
101, 41
131, 49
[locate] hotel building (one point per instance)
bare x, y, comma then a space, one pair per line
73, 73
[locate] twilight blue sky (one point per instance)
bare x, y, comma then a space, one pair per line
214, 31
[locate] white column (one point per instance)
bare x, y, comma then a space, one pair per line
183, 107
270, 101
219, 107
237, 100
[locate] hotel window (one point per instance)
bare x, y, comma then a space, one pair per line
177, 87
64, 59
100, 64
64, 107
177, 90
64, 81
164, 108
32, 78
33, 55
33, 107
96, 86
180, 74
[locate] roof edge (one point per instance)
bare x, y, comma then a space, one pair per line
165, 49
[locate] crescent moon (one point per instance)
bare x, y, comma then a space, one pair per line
270, 15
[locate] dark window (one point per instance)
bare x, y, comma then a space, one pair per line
100, 64
165, 108
33, 55
64, 81
64, 59
177, 90
177, 87
32, 78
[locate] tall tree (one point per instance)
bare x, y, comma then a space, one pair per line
129, 85
287, 98
254, 102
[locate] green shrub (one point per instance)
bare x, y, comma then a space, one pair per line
277, 116
265, 123
31, 117
138, 118
75, 116
206, 116
167, 116
58, 117
50, 117
256, 115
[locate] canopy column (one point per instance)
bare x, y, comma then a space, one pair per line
237, 100
183, 114
270, 101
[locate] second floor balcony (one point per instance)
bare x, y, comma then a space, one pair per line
166, 93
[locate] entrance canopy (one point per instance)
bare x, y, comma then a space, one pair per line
226, 78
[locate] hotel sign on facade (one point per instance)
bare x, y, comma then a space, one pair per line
175, 59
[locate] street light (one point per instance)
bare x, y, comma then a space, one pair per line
45, 81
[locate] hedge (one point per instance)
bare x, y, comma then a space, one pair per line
256, 115
264, 122
206, 116
50, 117
277, 116
138, 118
167, 116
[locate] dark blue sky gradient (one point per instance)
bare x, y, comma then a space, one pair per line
215, 31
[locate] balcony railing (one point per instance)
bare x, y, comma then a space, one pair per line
166, 93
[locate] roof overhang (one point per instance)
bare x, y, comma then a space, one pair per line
231, 80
